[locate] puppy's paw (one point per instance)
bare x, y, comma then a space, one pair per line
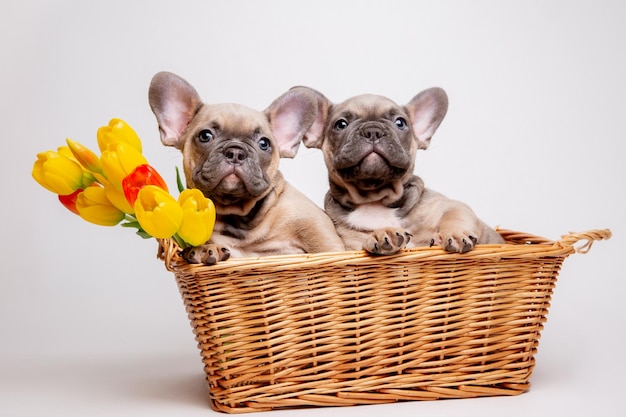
207, 254
457, 242
387, 241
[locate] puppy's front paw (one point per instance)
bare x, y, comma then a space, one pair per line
208, 254
387, 241
457, 242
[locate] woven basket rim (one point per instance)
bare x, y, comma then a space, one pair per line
517, 245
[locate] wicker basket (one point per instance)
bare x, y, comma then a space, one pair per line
348, 328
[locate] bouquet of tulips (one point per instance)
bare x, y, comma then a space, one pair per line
120, 187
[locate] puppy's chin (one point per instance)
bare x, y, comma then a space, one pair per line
231, 190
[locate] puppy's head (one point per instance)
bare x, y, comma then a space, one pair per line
230, 152
369, 142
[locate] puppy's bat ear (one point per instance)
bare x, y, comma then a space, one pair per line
294, 117
174, 102
314, 137
427, 110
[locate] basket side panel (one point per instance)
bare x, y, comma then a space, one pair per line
393, 329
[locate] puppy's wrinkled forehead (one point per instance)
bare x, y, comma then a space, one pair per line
233, 120
367, 106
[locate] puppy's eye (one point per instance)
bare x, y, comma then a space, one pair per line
264, 144
205, 136
400, 123
341, 124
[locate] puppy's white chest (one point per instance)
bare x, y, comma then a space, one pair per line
373, 216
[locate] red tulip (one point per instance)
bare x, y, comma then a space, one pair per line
69, 201
141, 176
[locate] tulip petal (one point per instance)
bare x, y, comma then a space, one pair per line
119, 160
94, 206
158, 212
57, 173
85, 156
118, 199
140, 177
69, 201
198, 217
117, 131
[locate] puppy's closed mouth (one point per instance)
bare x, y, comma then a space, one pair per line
373, 165
231, 181
226, 186
372, 172
356, 152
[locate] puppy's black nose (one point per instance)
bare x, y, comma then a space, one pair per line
372, 133
235, 154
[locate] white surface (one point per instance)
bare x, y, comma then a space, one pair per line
91, 323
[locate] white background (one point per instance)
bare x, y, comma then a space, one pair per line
91, 324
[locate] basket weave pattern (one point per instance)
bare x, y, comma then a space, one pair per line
349, 328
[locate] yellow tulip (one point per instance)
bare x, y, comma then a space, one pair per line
85, 156
118, 199
158, 213
120, 159
57, 173
198, 217
88, 177
66, 152
94, 206
117, 131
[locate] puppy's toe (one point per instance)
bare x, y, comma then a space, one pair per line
215, 254
193, 254
458, 242
386, 241
208, 254
451, 245
461, 245
468, 243
224, 253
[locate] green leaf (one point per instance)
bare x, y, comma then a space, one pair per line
134, 224
180, 241
179, 181
143, 234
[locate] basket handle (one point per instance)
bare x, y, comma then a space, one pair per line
590, 236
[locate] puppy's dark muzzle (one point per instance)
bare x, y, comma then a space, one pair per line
360, 142
369, 138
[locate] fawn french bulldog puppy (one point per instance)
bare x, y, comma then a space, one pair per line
369, 145
231, 153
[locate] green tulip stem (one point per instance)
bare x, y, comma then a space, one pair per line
179, 241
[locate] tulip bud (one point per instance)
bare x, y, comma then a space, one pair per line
141, 176
198, 217
117, 131
118, 160
84, 156
57, 173
69, 201
89, 177
94, 206
118, 199
157, 212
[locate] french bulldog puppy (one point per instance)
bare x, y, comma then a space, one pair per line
369, 145
231, 153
